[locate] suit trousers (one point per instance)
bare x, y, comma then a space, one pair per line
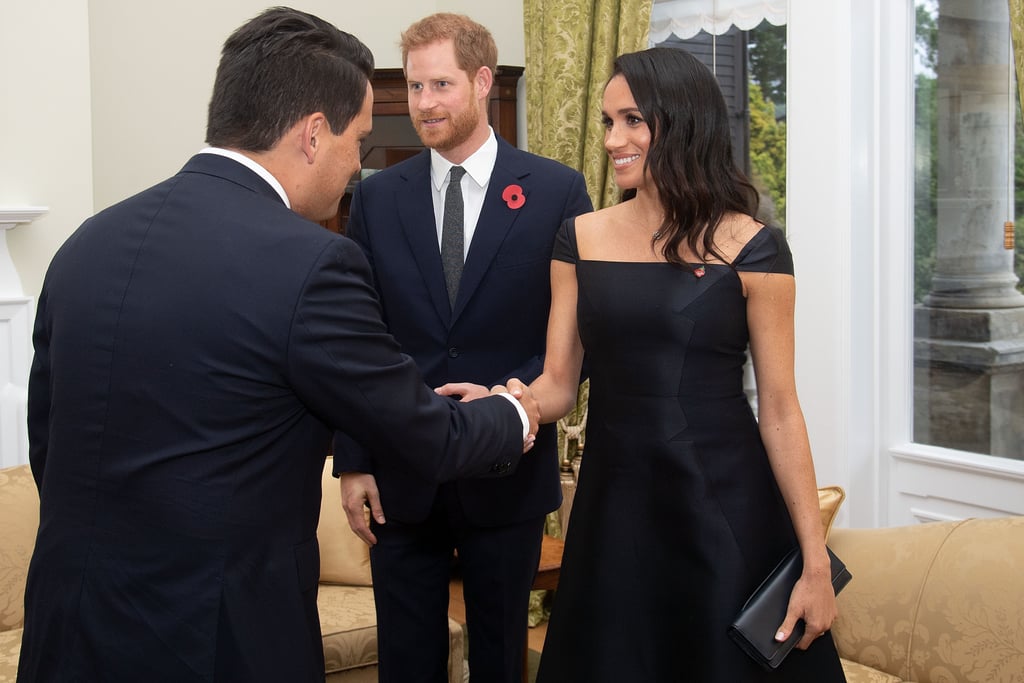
412, 567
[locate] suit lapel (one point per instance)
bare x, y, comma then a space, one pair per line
416, 214
496, 219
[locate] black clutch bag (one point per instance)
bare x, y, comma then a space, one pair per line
755, 627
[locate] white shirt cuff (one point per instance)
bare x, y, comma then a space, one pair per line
522, 414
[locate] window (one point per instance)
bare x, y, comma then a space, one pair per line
968, 307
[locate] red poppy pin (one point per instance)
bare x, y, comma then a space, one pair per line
513, 196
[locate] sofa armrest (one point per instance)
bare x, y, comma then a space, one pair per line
970, 624
878, 609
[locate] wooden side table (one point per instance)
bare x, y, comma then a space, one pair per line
550, 565
548, 570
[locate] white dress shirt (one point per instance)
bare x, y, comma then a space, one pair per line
479, 167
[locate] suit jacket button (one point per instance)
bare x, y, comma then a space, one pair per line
453, 352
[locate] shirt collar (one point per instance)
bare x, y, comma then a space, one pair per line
478, 166
252, 166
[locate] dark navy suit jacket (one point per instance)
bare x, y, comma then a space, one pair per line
195, 348
497, 328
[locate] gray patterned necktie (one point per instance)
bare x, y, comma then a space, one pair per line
452, 234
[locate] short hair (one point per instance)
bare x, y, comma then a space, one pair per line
690, 157
278, 67
474, 44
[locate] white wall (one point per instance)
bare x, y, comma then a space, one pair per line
154, 63
45, 160
109, 96
819, 226
45, 126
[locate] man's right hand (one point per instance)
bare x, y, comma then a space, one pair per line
358, 489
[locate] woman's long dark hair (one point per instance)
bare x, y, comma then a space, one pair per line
690, 158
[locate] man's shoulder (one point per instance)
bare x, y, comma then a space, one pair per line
536, 163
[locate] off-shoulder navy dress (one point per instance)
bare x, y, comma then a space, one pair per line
676, 517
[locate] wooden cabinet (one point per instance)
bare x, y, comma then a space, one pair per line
394, 139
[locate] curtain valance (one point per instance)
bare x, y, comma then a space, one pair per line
686, 18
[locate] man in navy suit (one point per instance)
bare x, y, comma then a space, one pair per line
457, 330
196, 346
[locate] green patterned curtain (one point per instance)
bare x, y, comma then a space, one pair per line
1017, 31
570, 47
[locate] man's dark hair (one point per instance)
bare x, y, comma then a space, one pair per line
278, 67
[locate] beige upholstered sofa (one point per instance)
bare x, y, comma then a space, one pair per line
347, 618
19, 519
941, 602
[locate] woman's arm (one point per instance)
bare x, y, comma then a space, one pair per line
770, 304
556, 388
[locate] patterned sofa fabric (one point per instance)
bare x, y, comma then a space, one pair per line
349, 626
19, 519
19, 510
10, 649
941, 602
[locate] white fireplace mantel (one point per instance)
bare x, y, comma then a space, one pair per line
11, 216
15, 342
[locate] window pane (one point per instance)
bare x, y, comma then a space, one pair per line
969, 312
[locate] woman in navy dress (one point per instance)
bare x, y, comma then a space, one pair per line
685, 500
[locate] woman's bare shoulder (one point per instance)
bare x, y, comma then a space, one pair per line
599, 218
596, 231
734, 231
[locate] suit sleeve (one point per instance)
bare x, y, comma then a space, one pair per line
39, 393
349, 455
347, 368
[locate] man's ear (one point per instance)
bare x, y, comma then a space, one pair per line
482, 81
312, 128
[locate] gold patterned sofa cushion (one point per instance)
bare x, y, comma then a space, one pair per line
829, 500
19, 510
348, 623
344, 557
19, 520
858, 673
10, 649
941, 602
970, 625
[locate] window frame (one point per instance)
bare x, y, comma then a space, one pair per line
850, 225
